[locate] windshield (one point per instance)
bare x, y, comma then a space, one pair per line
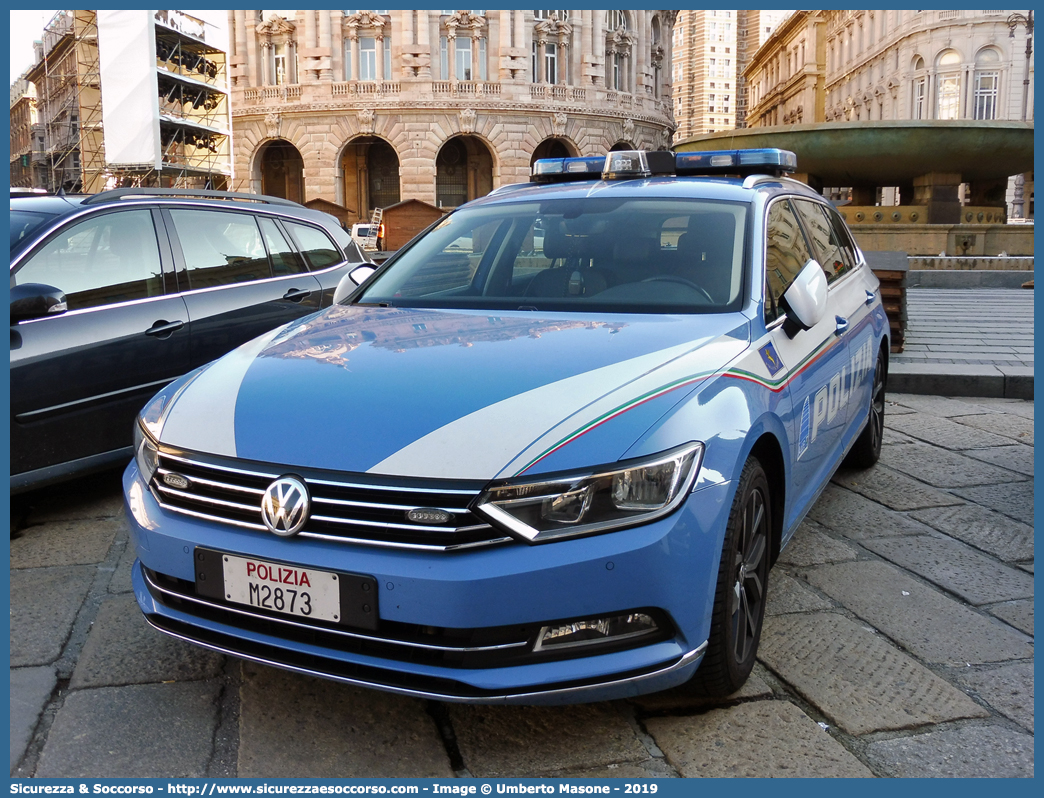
23, 223
627, 255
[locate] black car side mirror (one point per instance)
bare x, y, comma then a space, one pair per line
36, 300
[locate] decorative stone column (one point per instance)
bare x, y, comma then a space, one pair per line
353, 38
326, 50
938, 191
250, 42
310, 73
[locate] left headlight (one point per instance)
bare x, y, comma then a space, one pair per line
599, 500
146, 451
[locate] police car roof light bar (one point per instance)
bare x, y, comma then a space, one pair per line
561, 170
630, 164
768, 160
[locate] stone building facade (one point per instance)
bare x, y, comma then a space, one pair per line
754, 28
705, 71
891, 65
369, 108
24, 130
863, 66
785, 78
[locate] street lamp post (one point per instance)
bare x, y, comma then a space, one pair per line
1018, 201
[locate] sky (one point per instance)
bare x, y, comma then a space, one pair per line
27, 26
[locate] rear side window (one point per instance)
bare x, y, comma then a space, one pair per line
785, 256
220, 248
109, 258
829, 249
23, 223
284, 259
318, 249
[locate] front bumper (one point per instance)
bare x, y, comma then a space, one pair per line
670, 565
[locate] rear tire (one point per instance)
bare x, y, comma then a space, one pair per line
867, 448
739, 598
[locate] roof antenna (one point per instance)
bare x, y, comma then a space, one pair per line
61, 191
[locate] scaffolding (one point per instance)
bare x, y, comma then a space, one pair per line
194, 139
91, 140
58, 105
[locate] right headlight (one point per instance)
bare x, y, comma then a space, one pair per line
146, 451
599, 500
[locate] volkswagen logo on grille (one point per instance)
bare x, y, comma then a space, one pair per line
285, 505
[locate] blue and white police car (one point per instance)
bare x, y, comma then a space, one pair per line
547, 453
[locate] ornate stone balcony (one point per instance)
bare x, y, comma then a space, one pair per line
486, 95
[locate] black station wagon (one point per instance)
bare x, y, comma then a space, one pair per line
115, 294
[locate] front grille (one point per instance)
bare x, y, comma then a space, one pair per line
355, 508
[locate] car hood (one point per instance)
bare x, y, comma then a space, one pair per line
448, 394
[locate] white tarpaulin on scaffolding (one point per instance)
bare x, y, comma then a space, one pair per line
129, 88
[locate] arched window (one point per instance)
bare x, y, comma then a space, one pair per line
920, 90
948, 83
987, 83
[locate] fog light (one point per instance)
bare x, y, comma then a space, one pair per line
592, 631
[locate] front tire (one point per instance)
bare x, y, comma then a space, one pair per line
739, 599
867, 449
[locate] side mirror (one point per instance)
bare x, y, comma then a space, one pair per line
36, 300
806, 299
351, 281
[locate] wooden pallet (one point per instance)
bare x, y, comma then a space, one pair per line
893, 297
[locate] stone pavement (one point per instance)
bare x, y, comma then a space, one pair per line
967, 342
898, 642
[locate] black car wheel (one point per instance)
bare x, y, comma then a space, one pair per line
739, 600
867, 449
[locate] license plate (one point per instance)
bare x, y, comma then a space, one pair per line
288, 589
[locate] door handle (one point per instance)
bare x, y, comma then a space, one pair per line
870, 297
164, 329
842, 325
296, 294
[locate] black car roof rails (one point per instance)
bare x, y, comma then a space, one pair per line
199, 193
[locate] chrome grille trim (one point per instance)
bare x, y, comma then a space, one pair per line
197, 463
388, 544
410, 527
184, 494
213, 484
368, 514
376, 506
362, 486
311, 627
205, 517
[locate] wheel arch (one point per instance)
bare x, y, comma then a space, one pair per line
769, 452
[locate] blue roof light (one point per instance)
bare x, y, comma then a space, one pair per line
553, 170
769, 160
624, 164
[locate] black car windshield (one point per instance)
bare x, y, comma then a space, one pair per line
620, 255
23, 223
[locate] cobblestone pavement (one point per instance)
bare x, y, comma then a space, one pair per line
898, 642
